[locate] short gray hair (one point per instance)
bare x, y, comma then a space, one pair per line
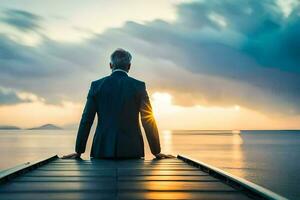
120, 59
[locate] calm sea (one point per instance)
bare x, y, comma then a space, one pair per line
268, 158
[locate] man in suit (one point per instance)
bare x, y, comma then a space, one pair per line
118, 99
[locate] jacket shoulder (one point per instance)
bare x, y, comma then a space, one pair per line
98, 81
96, 85
136, 82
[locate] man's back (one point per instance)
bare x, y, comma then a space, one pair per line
117, 100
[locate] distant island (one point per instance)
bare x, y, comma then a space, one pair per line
46, 127
42, 127
5, 127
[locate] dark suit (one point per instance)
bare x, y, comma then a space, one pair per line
118, 99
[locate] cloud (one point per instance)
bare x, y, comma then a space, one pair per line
10, 97
22, 20
216, 53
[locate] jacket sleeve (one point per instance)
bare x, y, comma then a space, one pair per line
86, 122
148, 122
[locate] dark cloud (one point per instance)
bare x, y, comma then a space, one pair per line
53, 70
252, 60
22, 20
8, 97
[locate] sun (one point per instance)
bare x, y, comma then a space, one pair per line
237, 107
162, 103
162, 98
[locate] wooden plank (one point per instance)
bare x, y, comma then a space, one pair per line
113, 186
108, 186
123, 195
173, 186
140, 172
64, 178
103, 172
59, 196
99, 162
122, 160
183, 195
168, 178
121, 178
119, 172
119, 163
106, 168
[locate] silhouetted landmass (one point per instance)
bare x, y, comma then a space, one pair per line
46, 127
5, 127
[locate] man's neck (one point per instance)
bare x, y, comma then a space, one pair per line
119, 70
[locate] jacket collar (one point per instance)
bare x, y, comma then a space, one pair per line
119, 72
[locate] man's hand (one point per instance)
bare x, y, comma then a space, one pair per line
163, 156
71, 156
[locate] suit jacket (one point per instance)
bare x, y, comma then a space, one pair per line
118, 100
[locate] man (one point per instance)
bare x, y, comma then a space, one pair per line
118, 100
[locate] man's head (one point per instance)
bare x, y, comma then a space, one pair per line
120, 59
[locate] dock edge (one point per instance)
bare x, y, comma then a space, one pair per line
253, 190
13, 172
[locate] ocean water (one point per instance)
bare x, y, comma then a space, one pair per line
268, 158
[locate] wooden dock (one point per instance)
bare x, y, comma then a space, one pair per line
180, 178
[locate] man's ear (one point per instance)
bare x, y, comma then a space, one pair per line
111, 66
129, 65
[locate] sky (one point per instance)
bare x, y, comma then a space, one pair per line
208, 64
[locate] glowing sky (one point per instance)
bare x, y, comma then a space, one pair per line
208, 64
